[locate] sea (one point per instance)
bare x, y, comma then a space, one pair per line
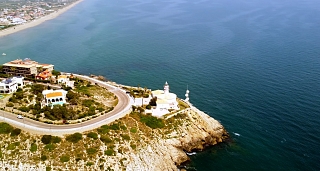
254, 65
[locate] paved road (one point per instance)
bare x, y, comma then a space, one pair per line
121, 109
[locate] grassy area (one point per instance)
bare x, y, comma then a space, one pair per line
124, 136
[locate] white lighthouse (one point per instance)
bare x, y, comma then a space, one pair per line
166, 88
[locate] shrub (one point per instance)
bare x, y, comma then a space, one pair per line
5, 128
105, 139
56, 139
24, 109
89, 163
123, 127
87, 103
152, 121
15, 132
64, 158
74, 138
91, 151
148, 106
43, 157
50, 147
133, 130
11, 146
10, 104
33, 147
133, 146
103, 129
109, 152
46, 139
114, 126
92, 135
125, 136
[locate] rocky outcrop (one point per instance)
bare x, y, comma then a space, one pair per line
144, 148
198, 131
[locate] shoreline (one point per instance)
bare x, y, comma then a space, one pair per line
38, 21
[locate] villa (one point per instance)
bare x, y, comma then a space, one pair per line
10, 85
64, 79
54, 97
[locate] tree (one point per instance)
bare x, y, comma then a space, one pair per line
46, 139
55, 73
153, 101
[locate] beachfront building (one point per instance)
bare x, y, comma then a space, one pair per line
10, 85
165, 101
25, 68
54, 97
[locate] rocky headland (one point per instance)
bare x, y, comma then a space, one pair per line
137, 141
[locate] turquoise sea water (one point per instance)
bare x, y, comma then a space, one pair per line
253, 65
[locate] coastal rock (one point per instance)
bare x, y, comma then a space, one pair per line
166, 154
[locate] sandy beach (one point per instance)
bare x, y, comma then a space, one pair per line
37, 21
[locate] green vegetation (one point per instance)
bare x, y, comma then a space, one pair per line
33, 147
133, 130
50, 147
105, 139
48, 168
56, 139
43, 157
89, 163
24, 109
109, 152
150, 121
56, 72
91, 151
64, 158
5, 128
13, 146
92, 135
74, 138
125, 136
46, 139
10, 104
15, 132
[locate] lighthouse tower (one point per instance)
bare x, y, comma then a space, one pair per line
166, 88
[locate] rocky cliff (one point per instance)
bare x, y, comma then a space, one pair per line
126, 144
197, 131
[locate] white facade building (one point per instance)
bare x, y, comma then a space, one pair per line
10, 85
54, 97
64, 79
165, 101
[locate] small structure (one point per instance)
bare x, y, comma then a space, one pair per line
54, 97
10, 85
187, 95
44, 75
64, 79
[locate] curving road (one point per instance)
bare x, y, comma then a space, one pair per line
121, 109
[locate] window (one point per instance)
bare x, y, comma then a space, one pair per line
53, 100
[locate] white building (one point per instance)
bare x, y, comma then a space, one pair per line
165, 101
64, 79
54, 97
10, 85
